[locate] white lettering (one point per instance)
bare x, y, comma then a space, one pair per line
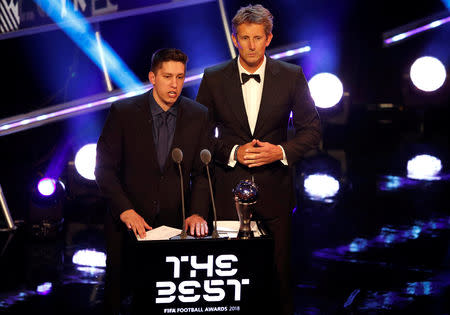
171, 288
187, 288
215, 294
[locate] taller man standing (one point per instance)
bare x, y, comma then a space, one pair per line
250, 99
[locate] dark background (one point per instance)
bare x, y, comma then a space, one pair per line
346, 39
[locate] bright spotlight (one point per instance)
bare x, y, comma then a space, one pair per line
85, 161
46, 186
428, 74
424, 167
321, 186
44, 289
89, 257
326, 89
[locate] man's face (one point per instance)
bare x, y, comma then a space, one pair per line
167, 83
251, 41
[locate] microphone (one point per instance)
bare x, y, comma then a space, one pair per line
205, 156
177, 157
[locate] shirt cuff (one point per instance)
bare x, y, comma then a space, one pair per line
284, 160
231, 160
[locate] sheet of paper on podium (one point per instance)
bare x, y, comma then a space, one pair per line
231, 228
162, 232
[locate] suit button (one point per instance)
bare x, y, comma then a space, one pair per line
155, 202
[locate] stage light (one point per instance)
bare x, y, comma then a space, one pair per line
428, 74
80, 31
46, 203
90, 258
46, 186
321, 186
326, 89
424, 166
358, 245
44, 288
85, 161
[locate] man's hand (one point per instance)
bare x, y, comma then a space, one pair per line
241, 150
196, 225
261, 153
135, 222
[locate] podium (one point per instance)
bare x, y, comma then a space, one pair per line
212, 276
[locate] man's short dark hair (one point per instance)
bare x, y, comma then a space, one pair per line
167, 54
253, 14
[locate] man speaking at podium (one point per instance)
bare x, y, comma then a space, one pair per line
135, 171
250, 99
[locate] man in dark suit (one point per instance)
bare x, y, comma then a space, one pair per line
135, 171
250, 99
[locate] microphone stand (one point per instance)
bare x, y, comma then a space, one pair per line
214, 234
183, 234
205, 156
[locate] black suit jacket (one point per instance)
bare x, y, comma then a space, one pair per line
285, 90
127, 170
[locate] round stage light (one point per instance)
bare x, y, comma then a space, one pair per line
85, 161
424, 167
326, 89
428, 74
46, 186
321, 186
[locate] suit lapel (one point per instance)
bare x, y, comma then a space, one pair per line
234, 95
147, 131
269, 94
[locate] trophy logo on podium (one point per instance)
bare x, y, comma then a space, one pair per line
245, 197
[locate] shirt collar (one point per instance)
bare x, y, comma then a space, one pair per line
155, 109
259, 71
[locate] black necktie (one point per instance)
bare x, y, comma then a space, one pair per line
246, 77
163, 140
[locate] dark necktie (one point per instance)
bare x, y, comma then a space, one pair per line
163, 140
246, 77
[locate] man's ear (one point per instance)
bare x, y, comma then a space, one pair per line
235, 41
269, 39
151, 77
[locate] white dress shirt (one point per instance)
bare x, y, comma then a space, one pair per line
252, 93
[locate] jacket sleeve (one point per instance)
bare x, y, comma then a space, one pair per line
306, 122
109, 164
220, 148
200, 194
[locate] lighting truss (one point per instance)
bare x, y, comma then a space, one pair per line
401, 33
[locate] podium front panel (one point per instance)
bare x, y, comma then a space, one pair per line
204, 276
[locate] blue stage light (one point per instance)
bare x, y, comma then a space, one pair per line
85, 161
44, 288
428, 74
425, 167
326, 89
75, 26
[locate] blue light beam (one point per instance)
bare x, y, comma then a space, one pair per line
74, 25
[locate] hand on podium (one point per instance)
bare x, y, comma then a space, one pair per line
196, 226
135, 222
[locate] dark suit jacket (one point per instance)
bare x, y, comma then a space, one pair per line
129, 177
285, 90
127, 170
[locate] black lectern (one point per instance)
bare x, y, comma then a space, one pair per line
209, 276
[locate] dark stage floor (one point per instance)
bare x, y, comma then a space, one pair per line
382, 247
